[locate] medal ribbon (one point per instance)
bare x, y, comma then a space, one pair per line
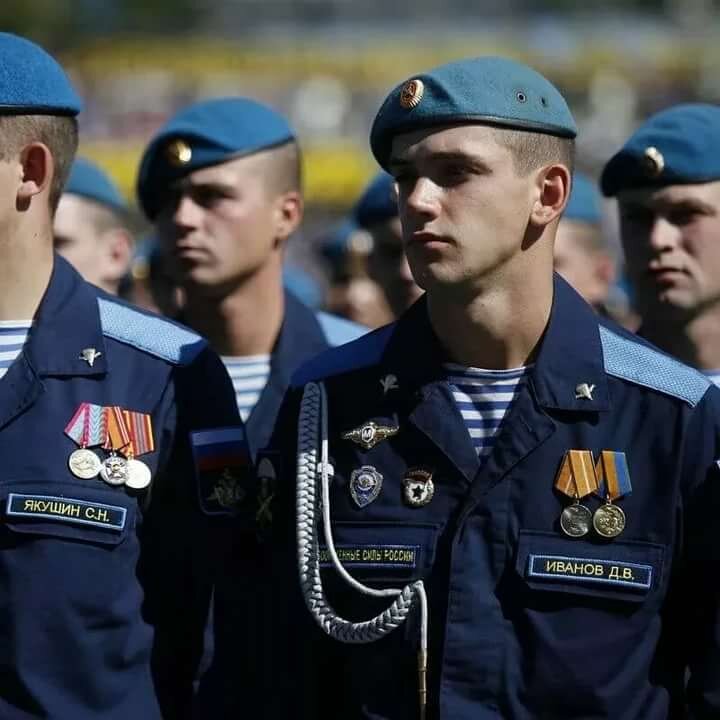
141, 433
576, 477
118, 436
613, 476
87, 426
75, 429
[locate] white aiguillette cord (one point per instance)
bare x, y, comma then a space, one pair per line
312, 427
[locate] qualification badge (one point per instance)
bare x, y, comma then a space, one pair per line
613, 483
576, 480
418, 487
370, 434
365, 485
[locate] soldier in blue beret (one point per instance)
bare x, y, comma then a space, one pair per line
221, 180
499, 506
110, 420
582, 253
377, 213
667, 182
91, 227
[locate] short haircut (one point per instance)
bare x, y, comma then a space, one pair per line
284, 168
103, 217
590, 237
59, 133
532, 150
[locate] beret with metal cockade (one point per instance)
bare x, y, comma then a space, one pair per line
485, 90
206, 133
677, 146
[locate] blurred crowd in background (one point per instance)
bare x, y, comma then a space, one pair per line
326, 65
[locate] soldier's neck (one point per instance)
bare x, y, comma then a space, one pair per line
497, 328
26, 262
692, 340
246, 320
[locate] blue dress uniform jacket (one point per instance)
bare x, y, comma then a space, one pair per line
104, 618
524, 621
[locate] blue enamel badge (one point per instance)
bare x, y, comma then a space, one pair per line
365, 485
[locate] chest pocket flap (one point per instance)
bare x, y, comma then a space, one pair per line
622, 569
64, 510
382, 551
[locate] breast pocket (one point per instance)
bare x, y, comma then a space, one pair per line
629, 571
382, 552
75, 540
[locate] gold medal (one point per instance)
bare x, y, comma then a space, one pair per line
575, 520
609, 520
84, 464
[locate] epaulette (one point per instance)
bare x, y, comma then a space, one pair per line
153, 334
363, 352
639, 363
339, 331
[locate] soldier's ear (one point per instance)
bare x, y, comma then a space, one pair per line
288, 214
37, 170
552, 184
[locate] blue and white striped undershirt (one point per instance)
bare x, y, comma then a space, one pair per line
483, 397
249, 375
13, 334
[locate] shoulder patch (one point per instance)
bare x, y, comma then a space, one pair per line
338, 330
363, 352
151, 333
638, 363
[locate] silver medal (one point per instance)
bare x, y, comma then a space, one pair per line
139, 475
84, 464
114, 470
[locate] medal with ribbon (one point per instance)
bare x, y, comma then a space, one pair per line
87, 428
114, 470
576, 479
140, 430
613, 482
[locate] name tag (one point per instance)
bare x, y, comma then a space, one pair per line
64, 509
373, 556
590, 570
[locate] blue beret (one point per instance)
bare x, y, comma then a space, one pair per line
334, 245
485, 90
378, 203
32, 82
89, 181
584, 202
680, 145
204, 134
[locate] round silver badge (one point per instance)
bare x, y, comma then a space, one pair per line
139, 475
84, 464
575, 520
114, 470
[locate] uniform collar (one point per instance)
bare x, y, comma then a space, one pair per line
570, 354
66, 323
